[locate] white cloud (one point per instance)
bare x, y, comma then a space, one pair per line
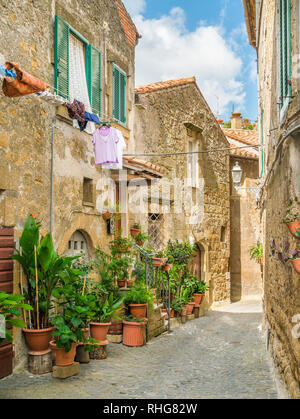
168, 50
135, 7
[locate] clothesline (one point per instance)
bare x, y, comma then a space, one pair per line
190, 152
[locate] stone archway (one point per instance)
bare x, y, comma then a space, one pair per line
78, 245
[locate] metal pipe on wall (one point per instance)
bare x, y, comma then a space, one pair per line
52, 175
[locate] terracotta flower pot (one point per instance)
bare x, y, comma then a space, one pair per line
38, 340
172, 314
190, 308
106, 215
198, 298
86, 333
130, 283
63, 358
99, 331
293, 227
135, 231
121, 283
134, 334
167, 267
140, 243
138, 310
296, 265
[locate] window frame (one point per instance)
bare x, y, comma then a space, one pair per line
88, 61
193, 162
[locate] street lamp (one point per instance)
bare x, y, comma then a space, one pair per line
237, 173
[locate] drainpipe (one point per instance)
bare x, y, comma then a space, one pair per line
105, 26
51, 176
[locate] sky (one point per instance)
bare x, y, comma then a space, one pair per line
205, 39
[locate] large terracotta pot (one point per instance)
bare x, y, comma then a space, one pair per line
296, 265
38, 340
99, 331
198, 298
293, 228
6, 360
157, 262
106, 215
190, 308
134, 334
139, 311
63, 358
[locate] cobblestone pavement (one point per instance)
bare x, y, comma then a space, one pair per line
221, 355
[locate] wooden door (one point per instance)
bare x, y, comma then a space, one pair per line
7, 247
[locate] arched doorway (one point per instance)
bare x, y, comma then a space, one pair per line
78, 246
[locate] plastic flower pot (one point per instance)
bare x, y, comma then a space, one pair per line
293, 227
63, 358
134, 334
296, 265
135, 231
138, 311
38, 340
99, 331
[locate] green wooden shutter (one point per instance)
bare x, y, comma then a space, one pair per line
95, 80
123, 98
285, 50
62, 31
116, 93
119, 95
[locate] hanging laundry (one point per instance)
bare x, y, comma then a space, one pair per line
105, 143
76, 111
121, 145
7, 73
24, 84
50, 98
89, 117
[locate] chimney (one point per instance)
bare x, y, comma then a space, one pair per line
236, 120
220, 122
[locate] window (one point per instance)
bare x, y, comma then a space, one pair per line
87, 190
68, 68
285, 54
155, 225
119, 94
193, 163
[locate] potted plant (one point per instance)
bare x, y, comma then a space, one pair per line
295, 259
137, 300
10, 306
160, 259
121, 245
169, 265
177, 306
292, 219
134, 331
109, 211
104, 311
141, 238
135, 230
257, 253
199, 292
42, 268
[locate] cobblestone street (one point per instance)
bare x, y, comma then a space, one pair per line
221, 355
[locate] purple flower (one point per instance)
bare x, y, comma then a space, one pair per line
287, 246
294, 252
274, 244
286, 259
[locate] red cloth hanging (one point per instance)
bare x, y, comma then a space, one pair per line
24, 84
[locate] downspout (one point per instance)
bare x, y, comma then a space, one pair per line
51, 176
105, 26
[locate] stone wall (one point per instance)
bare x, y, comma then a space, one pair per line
281, 184
164, 122
26, 123
246, 275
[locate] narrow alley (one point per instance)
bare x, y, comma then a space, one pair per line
220, 356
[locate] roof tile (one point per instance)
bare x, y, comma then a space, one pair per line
154, 87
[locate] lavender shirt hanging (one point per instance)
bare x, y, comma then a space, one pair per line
105, 142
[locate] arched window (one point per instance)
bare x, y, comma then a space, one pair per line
77, 245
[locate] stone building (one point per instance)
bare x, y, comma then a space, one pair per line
246, 281
43, 37
273, 28
173, 117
